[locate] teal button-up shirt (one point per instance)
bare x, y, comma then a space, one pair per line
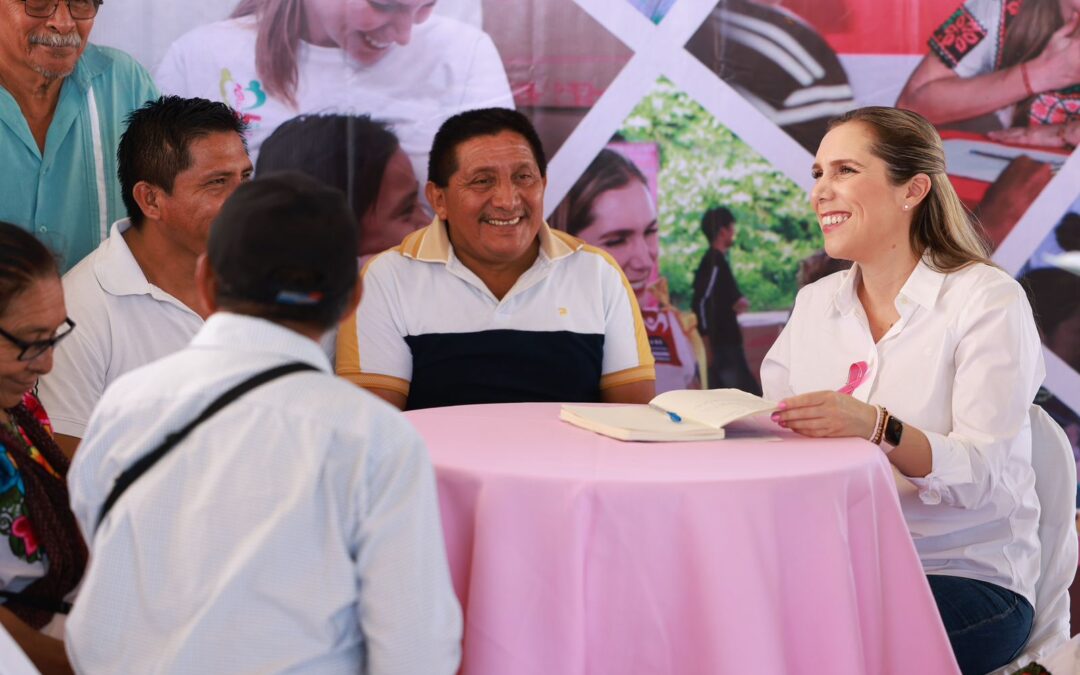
69, 195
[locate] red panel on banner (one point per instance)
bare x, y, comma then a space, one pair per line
875, 27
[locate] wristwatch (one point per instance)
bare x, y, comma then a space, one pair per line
894, 430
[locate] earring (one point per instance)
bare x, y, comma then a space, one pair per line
907, 206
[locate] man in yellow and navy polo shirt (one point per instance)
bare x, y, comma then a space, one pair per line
487, 304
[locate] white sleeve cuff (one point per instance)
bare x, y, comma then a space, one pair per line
949, 466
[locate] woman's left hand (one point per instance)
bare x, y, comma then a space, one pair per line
826, 414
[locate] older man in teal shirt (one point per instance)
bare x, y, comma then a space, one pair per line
62, 109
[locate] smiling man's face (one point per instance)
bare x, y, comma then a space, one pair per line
48, 47
493, 204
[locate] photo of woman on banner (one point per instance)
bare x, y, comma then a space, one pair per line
362, 158
394, 60
612, 207
145, 30
778, 62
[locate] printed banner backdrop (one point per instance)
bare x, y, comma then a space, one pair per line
712, 105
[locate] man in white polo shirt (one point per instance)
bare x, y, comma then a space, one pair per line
487, 304
283, 525
134, 297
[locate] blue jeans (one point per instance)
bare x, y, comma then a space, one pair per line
987, 625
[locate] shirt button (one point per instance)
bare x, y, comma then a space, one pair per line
42, 229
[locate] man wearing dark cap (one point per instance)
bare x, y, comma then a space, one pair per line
294, 527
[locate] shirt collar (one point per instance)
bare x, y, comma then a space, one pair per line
116, 268
118, 273
846, 297
228, 331
92, 63
922, 287
432, 243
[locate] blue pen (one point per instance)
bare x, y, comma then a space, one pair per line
671, 416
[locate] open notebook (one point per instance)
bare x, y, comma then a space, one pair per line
685, 415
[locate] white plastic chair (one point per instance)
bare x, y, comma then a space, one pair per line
1055, 483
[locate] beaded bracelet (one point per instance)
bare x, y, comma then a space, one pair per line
879, 426
879, 430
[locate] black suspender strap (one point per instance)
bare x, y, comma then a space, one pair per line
136, 470
44, 604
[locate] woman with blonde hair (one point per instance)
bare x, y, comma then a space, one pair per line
928, 350
394, 60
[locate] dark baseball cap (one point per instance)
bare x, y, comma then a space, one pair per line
285, 240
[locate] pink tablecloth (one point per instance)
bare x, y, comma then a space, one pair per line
576, 554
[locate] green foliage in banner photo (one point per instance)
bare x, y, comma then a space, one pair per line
703, 164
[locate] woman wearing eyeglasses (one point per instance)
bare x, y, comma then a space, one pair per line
42, 555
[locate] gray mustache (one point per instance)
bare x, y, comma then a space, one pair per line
51, 40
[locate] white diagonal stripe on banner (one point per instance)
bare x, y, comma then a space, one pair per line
606, 117
740, 116
661, 48
1041, 217
641, 35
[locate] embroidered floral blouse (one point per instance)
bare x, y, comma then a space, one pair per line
21, 559
971, 42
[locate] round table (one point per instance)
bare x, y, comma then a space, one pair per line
572, 553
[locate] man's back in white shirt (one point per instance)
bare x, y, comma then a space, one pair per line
297, 530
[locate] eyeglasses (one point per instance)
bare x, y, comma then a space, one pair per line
80, 10
35, 348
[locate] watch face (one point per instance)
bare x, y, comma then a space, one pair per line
894, 429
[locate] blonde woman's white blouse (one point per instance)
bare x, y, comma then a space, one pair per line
962, 364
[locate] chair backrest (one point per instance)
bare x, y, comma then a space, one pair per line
1055, 483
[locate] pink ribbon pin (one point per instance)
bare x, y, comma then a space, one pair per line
856, 375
